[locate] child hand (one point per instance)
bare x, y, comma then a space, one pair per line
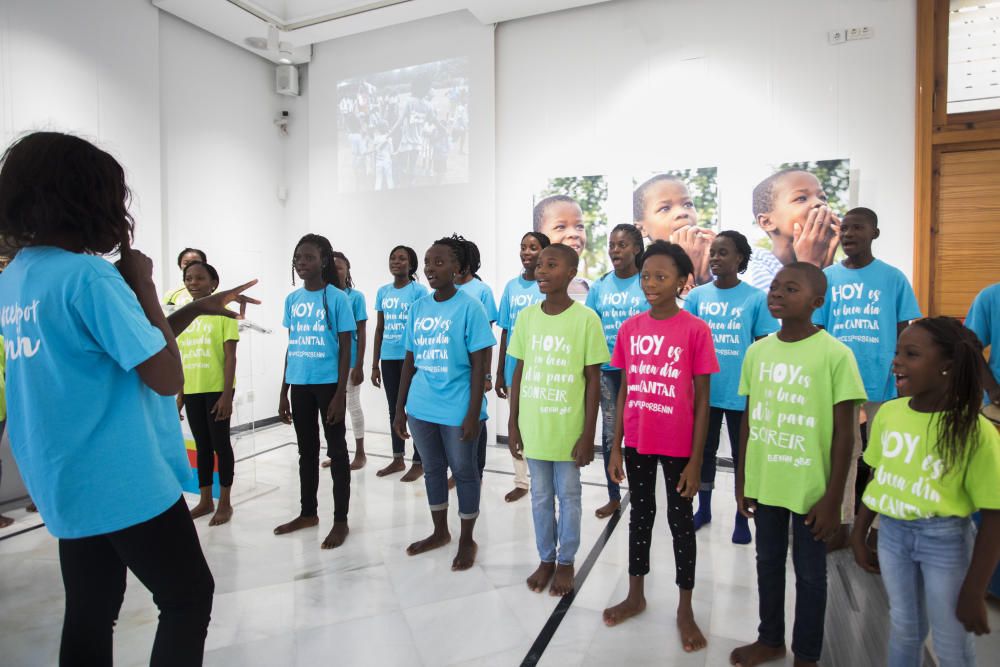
690, 481
376, 376
470, 426
337, 408
501, 386
746, 506
514, 443
223, 408
180, 407
824, 518
583, 452
215, 303
399, 426
616, 468
487, 386
136, 268
284, 410
971, 611
812, 242
357, 376
865, 557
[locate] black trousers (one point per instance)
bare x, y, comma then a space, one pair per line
211, 438
392, 371
309, 405
712, 438
641, 471
165, 555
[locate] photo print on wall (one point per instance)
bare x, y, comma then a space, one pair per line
796, 212
404, 127
680, 206
573, 210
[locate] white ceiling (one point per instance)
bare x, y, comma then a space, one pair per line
302, 23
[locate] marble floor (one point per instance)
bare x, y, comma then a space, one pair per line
283, 601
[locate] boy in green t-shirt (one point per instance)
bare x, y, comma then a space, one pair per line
559, 346
802, 386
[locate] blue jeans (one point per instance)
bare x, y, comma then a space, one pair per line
611, 384
556, 540
441, 447
809, 560
923, 566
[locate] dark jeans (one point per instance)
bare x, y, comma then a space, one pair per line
712, 438
392, 371
211, 439
611, 384
165, 555
809, 560
641, 471
309, 405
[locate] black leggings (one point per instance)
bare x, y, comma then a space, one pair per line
210, 437
712, 438
165, 555
392, 371
641, 470
309, 405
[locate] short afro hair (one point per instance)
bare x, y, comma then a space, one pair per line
865, 214
763, 194
564, 252
538, 214
814, 276
672, 250
639, 194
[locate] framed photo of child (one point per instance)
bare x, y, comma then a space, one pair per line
573, 210
680, 206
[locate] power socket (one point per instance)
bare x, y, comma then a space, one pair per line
860, 32
836, 36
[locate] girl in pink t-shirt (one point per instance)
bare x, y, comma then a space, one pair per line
666, 356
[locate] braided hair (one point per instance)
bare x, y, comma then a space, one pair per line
742, 247
472, 252
330, 275
349, 283
411, 254
458, 248
630, 230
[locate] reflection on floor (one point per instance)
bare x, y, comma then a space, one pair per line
282, 601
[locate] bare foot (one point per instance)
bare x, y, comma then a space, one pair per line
433, 542
451, 482
5, 521
624, 610
298, 523
396, 465
415, 472
326, 464
359, 462
541, 577
607, 510
515, 495
223, 515
839, 540
336, 536
202, 508
755, 654
691, 637
562, 582
466, 555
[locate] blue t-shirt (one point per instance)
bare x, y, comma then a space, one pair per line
313, 344
441, 335
360, 312
862, 309
737, 317
98, 449
984, 321
480, 291
517, 295
394, 304
616, 300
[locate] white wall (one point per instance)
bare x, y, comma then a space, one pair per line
223, 160
365, 226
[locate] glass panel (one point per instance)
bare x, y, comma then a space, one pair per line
973, 56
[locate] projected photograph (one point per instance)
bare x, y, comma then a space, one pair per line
782, 228
404, 128
680, 206
573, 210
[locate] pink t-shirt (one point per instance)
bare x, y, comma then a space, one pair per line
660, 359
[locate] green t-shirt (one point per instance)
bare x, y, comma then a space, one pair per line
203, 352
555, 350
792, 388
177, 297
908, 483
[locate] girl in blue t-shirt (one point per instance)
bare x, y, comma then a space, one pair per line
441, 394
357, 375
92, 371
320, 324
519, 293
392, 303
737, 313
616, 297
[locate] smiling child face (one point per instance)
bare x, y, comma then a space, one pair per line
562, 222
667, 207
